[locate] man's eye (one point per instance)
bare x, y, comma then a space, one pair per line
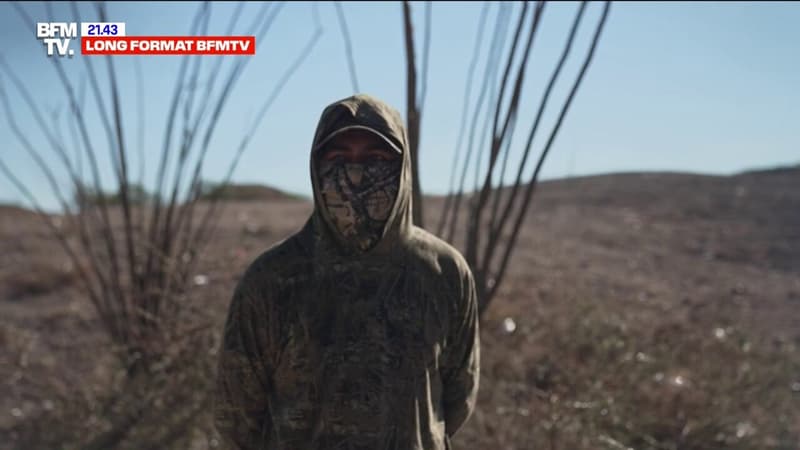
377, 157
331, 156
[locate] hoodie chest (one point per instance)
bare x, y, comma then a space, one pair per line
369, 323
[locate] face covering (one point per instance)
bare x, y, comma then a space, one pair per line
359, 197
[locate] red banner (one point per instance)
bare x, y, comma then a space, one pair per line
168, 45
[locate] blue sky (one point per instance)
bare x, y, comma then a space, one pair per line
674, 86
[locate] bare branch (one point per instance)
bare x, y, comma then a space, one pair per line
121, 157
467, 91
165, 153
496, 231
473, 235
413, 113
204, 228
553, 134
140, 132
426, 47
348, 45
494, 54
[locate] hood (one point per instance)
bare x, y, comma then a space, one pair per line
365, 112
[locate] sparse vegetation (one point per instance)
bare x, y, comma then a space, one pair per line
133, 247
648, 315
610, 332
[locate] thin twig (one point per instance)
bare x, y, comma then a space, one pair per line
413, 114
496, 231
473, 234
464, 108
426, 51
500, 30
553, 134
279, 87
348, 45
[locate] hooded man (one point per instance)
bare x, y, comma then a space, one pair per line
360, 331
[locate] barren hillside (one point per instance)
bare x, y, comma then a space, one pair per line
646, 311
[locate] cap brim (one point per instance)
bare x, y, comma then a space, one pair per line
328, 138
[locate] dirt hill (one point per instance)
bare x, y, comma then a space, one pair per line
642, 310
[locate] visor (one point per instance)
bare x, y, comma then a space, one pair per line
328, 138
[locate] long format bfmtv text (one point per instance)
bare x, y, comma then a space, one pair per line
168, 45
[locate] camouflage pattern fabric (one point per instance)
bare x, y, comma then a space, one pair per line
359, 197
340, 343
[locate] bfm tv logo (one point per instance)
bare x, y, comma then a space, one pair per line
56, 36
109, 38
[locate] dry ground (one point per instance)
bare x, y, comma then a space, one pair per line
645, 311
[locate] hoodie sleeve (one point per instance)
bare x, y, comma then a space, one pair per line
461, 364
241, 409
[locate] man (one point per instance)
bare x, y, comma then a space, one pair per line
360, 331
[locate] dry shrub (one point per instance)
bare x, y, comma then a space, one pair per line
595, 380
163, 406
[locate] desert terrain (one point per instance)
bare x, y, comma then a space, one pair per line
642, 311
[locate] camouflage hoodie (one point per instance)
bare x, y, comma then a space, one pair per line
327, 346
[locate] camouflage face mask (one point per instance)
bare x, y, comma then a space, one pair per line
359, 197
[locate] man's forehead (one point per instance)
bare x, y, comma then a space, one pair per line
359, 137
